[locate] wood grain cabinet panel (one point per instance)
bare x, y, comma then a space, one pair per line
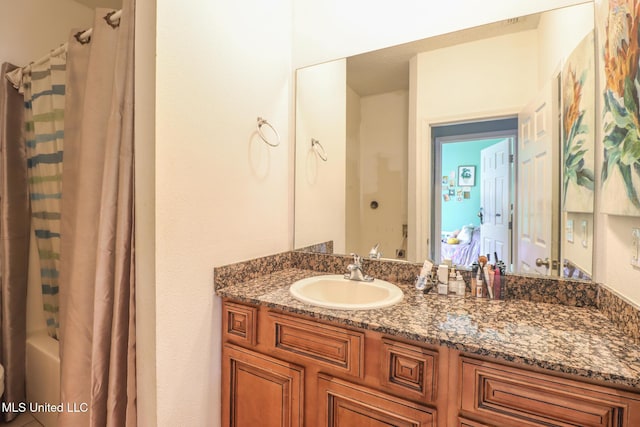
334, 347
345, 404
511, 396
239, 323
409, 370
258, 390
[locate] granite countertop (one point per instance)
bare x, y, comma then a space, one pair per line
572, 340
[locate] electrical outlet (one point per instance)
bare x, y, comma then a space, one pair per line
635, 247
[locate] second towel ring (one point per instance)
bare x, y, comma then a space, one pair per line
262, 122
319, 149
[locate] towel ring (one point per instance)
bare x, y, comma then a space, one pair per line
319, 149
262, 122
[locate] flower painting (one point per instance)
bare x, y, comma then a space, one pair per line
618, 38
578, 126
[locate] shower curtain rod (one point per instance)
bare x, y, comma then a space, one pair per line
63, 48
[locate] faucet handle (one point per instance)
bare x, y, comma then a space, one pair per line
357, 260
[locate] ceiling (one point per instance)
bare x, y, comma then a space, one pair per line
386, 70
110, 4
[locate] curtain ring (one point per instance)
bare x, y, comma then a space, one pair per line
262, 122
115, 24
319, 149
80, 39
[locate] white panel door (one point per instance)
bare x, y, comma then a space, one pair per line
537, 198
495, 235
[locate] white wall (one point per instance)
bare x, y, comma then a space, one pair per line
29, 29
222, 195
320, 186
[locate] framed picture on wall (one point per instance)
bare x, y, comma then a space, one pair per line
466, 176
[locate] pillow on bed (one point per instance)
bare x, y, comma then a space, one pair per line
465, 235
452, 241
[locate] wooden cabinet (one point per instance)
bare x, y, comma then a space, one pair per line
505, 395
335, 348
286, 370
346, 404
259, 390
239, 323
409, 370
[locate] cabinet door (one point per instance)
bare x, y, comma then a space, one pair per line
346, 404
258, 390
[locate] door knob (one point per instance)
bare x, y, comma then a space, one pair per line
547, 263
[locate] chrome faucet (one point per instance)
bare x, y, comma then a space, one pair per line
355, 271
375, 253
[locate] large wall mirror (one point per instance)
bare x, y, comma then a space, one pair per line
475, 142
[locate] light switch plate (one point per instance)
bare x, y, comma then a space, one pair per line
568, 230
635, 247
585, 231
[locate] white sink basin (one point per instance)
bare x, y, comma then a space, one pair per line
334, 291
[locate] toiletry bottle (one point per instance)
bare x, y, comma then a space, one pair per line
461, 286
453, 284
478, 292
443, 278
497, 281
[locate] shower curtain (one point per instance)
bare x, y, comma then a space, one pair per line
97, 311
14, 239
44, 90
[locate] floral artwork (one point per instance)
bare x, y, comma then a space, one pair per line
620, 83
466, 176
578, 126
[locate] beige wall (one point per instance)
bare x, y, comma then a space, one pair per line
580, 250
559, 32
325, 30
29, 29
487, 78
352, 203
320, 186
383, 172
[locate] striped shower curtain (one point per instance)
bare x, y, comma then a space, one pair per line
44, 90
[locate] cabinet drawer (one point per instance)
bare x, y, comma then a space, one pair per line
511, 396
330, 346
239, 323
463, 422
345, 404
409, 370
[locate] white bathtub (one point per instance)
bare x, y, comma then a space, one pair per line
43, 374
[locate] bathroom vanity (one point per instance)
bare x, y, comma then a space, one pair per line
426, 361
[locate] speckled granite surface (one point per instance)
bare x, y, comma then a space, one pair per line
577, 340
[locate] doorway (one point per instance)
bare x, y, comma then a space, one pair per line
473, 190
